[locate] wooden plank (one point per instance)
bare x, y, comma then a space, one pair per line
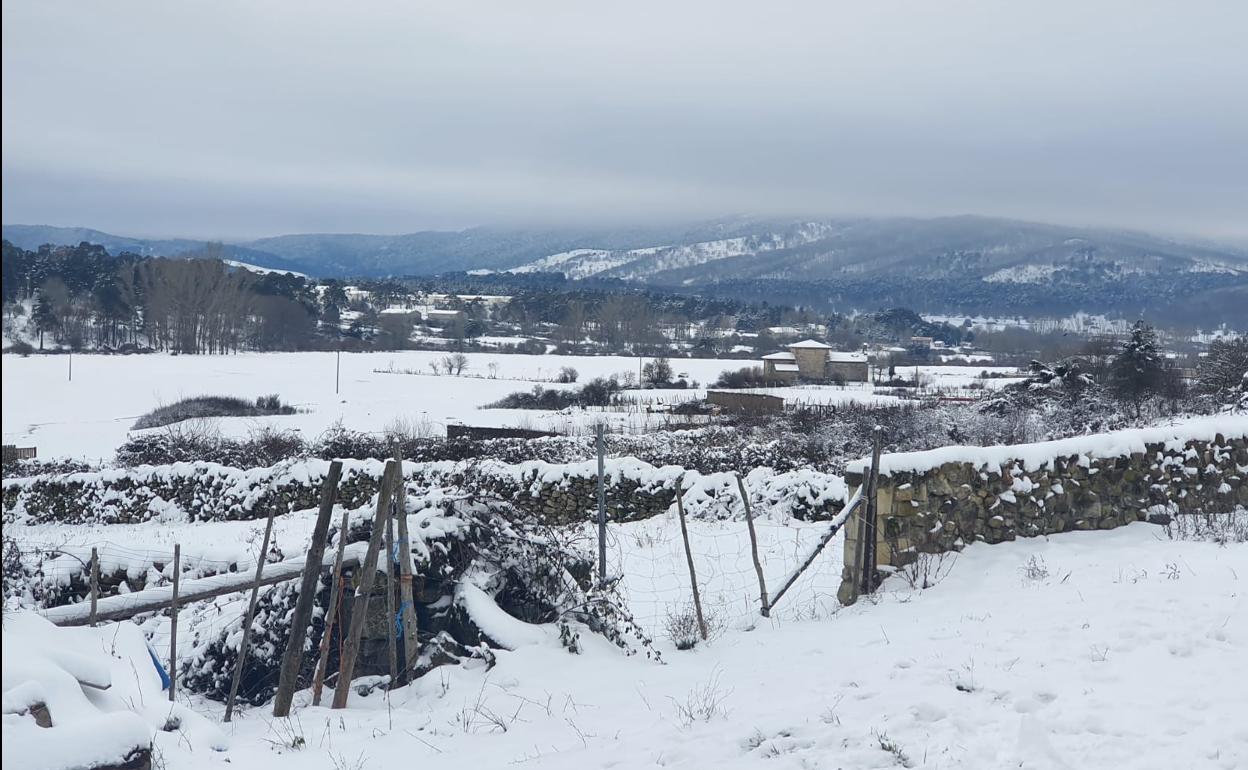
407, 610
125, 606
392, 636
292, 656
359, 607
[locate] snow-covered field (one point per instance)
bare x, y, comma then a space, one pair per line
1083, 650
90, 415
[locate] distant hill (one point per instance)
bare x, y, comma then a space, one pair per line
960, 264
994, 250
31, 237
972, 265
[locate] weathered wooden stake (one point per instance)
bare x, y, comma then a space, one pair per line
602, 508
306, 602
251, 615
95, 582
765, 608
335, 601
173, 620
407, 609
869, 521
359, 605
392, 615
693, 575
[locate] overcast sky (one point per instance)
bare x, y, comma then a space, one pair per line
238, 119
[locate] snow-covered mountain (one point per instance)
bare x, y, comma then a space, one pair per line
975, 248
640, 263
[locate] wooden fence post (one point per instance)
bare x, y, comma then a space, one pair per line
335, 602
765, 608
251, 615
359, 606
693, 575
407, 609
602, 508
306, 602
392, 616
869, 522
95, 582
173, 620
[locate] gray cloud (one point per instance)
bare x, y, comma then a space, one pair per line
252, 118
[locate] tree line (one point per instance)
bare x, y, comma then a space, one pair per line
83, 297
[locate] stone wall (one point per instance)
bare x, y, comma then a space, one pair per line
933, 502
559, 493
737, 402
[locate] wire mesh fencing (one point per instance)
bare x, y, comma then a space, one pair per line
648, 559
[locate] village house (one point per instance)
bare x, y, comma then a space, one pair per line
815, 361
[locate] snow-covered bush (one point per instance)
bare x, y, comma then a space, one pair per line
487, 569
200, 407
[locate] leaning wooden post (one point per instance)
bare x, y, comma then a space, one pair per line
95, 582
293, 655
173, 620
602, 508
869, 523
758, 565
392, 615
359, 606
251, 615
407, 608
335, 601
693, 575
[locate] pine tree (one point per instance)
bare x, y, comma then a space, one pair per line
1137, 371
44, 316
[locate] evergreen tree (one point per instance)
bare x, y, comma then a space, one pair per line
44, 316
1137, 371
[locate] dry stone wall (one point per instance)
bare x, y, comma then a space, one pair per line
934, 502
559, 493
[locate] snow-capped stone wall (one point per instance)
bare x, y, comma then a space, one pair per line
944, 499
560, 493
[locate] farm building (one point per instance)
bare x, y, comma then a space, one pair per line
812, 360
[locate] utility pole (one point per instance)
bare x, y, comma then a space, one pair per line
337, 367
640, 368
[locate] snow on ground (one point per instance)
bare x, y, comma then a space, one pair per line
118, 707
90, 415
1081, 650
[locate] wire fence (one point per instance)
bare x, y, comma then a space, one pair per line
648, 558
